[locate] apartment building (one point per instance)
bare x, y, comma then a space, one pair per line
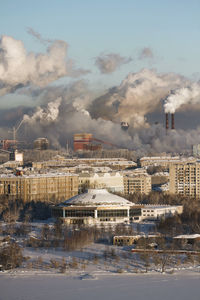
137, 183
112, 181
163, 161
184, 179
39, 187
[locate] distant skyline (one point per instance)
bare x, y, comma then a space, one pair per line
168, 28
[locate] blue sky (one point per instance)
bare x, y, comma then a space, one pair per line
170, 28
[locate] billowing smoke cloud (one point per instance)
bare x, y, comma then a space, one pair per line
108, 63
19, 68
185, 95
61, 118
68, 109
139, 94
146, 53
47, 115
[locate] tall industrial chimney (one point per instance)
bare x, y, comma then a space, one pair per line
166, 121
172, 120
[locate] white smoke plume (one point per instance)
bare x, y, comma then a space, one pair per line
47, 115
138, 94
108, 63
185, 95
19, 68
72, 108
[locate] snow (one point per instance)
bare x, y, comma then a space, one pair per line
97, 280
95, 197
188, 236
181, 286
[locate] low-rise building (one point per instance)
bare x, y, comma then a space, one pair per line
96, 206
125, 240
158, 212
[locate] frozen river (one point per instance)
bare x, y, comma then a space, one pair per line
139, 287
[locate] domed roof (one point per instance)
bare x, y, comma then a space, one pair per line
97, 197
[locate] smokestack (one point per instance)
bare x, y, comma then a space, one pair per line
172, 120
166, 121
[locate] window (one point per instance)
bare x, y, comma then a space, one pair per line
112, 213
79, 213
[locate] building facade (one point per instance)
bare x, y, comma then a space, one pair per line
157, 212
112, 181
96, 206
39, 187
137, 183
184, 179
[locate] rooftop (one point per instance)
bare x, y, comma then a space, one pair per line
97, 197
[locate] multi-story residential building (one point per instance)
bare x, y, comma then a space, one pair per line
163, 161
112, 181
39, 187
184, 179
113, 163
196, 150
137, 183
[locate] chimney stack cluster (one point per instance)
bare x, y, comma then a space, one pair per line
167, 121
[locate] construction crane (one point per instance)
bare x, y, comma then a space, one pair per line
8, 143
15, 129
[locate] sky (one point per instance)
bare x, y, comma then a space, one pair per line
99, 63
169, 28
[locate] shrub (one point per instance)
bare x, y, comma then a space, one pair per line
11, 256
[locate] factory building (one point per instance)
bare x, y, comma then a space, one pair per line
39, 187
112, 181
184, 179
137, 183
41, 144
82, 141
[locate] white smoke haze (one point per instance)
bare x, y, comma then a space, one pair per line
61, 111
183, 96
47, 115
70, 110
108, 63
146, 53
19, 68
138, 95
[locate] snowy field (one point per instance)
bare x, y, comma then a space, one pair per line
31, 286
97, 271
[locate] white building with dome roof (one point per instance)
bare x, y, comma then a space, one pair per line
96, 206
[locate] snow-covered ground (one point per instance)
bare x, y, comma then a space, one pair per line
181, 286
97, 271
